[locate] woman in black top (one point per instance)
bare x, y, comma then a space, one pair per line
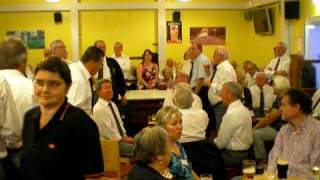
153, 154
60, 141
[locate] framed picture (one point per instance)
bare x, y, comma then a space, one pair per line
208, 35
174, 32
33, 39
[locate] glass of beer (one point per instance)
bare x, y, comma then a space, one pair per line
282, 166
315, 172
248, 169
205, 177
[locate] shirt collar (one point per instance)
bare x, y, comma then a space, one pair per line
84, 70
13, 72
223, 63
235, 104
304, 124
104, 101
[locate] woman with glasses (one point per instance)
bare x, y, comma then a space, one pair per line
60, 141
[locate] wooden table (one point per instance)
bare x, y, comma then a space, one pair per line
262, 177
141, 105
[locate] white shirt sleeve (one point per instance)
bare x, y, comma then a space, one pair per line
105, 123
10, 123
228, 126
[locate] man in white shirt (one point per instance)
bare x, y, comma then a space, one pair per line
10, 131
81, 91
13, 60
250, 74
279, 65
58, 49
108, 119
194, 121
123, 60
262, 95
197, 73
111, 70
223, 72
316, 104
182, 78
235, 133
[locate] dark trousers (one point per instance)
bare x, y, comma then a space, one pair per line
203, 94
9, 169
205, 158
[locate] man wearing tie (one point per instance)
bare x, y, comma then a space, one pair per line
81, 91
279, 65
262, 95
108, 119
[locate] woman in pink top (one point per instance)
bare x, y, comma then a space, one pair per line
147, 72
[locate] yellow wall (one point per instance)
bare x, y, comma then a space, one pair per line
34, 21
15, 2
136, 29
241, 39
259, 48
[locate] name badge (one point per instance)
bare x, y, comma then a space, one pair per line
184, 162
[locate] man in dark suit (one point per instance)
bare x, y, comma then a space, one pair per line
111, 70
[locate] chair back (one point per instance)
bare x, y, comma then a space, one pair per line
111, 157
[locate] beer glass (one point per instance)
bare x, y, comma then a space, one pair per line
315, 172
205, 177
282, 166
248, 169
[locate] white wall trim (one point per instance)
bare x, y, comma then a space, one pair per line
75, 33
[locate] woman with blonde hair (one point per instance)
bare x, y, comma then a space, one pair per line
171, 120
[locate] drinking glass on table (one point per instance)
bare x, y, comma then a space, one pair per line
205, 177
248, 169
282, 166
315, 172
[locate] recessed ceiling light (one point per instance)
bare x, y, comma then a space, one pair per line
53, 1
183, 0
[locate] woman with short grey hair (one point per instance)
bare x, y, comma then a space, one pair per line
153, 155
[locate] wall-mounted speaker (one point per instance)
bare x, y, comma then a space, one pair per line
57, 17
176, 16
292, 9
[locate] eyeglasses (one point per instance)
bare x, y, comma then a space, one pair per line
50, 83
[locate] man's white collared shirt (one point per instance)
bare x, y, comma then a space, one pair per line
124, 62
235, 132
194, 123
198, 71
268, 93
225, 73
249, 80
22, 91
79, 93
10, 122
102, 115
284, 65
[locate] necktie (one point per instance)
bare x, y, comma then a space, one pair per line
214, 70
117, 120
190, 73
316, 104
261, 109
100, 72
92, 92
276, 67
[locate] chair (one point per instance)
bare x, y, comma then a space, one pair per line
111, 158
114, 166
